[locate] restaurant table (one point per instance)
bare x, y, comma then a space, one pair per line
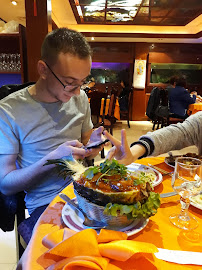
195, 107
159, 231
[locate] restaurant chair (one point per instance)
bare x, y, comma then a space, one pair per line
163, 117
108, 119
95, 105
11, 215
7, 89
125, 114
153, 102
162, 110
13, 206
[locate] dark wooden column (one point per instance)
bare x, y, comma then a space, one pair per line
38, 24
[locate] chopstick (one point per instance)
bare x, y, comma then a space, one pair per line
160, 170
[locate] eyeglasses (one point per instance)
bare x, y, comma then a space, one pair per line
68, 86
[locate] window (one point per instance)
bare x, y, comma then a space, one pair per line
160, 73
108, 72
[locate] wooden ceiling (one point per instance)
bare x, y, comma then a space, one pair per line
136, 12
167, 21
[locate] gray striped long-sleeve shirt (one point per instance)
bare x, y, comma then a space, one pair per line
175, 137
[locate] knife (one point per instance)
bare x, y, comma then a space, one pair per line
168, 194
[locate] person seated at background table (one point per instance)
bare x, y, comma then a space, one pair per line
173, 137
172, 83
124, 95
180, 99
49, 120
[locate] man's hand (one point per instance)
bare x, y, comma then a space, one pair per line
73, 148
96, 136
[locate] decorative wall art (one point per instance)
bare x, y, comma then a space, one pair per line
139, 76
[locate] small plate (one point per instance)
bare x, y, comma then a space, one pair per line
144, 168
196, 204
191, 155
166, 160
74, 221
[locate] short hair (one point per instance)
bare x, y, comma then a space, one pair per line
66, 41
181, 81
173, 80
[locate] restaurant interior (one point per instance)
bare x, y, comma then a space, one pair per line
139, 44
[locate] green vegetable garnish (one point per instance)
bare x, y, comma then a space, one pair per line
107, 168
137, 210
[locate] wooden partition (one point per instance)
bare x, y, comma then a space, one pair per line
36, 30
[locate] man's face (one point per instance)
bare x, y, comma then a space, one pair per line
66, 76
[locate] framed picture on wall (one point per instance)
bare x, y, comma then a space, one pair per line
139, 76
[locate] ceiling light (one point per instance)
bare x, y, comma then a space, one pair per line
14, 3
92, 38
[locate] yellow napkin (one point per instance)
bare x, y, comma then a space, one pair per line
87, 250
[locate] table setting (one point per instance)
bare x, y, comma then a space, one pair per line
195, 107
140, 235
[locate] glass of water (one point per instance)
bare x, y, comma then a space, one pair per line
186, 181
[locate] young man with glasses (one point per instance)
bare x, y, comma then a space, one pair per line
49, 120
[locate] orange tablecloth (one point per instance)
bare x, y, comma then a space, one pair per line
196, 107
159, 231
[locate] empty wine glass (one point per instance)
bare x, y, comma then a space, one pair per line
186, 181
18, 67
1, 61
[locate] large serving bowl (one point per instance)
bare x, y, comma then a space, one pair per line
110, 192
96, 212
113, 194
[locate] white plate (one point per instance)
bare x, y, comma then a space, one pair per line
144, 168
166, 160
74, 221
196, 204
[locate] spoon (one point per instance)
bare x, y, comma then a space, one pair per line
94, 224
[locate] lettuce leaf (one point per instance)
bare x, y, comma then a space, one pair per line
137, 210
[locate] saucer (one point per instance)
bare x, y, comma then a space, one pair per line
143, 168
74, 220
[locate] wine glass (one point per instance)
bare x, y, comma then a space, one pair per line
186, 181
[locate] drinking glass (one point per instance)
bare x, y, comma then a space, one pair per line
18, 67
186, 181
1, 61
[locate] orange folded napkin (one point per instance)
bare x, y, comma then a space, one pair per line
82, 243
87, 250
122, 250
108, 236
55, 237
80, 262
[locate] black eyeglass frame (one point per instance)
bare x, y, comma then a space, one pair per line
69, 86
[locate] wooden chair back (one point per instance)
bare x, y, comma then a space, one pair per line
95, 105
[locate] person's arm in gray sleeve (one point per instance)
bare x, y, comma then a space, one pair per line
158, 142
175, 137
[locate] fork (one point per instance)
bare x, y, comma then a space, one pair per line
160, 170
94, 224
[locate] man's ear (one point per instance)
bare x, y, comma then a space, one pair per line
42, 69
